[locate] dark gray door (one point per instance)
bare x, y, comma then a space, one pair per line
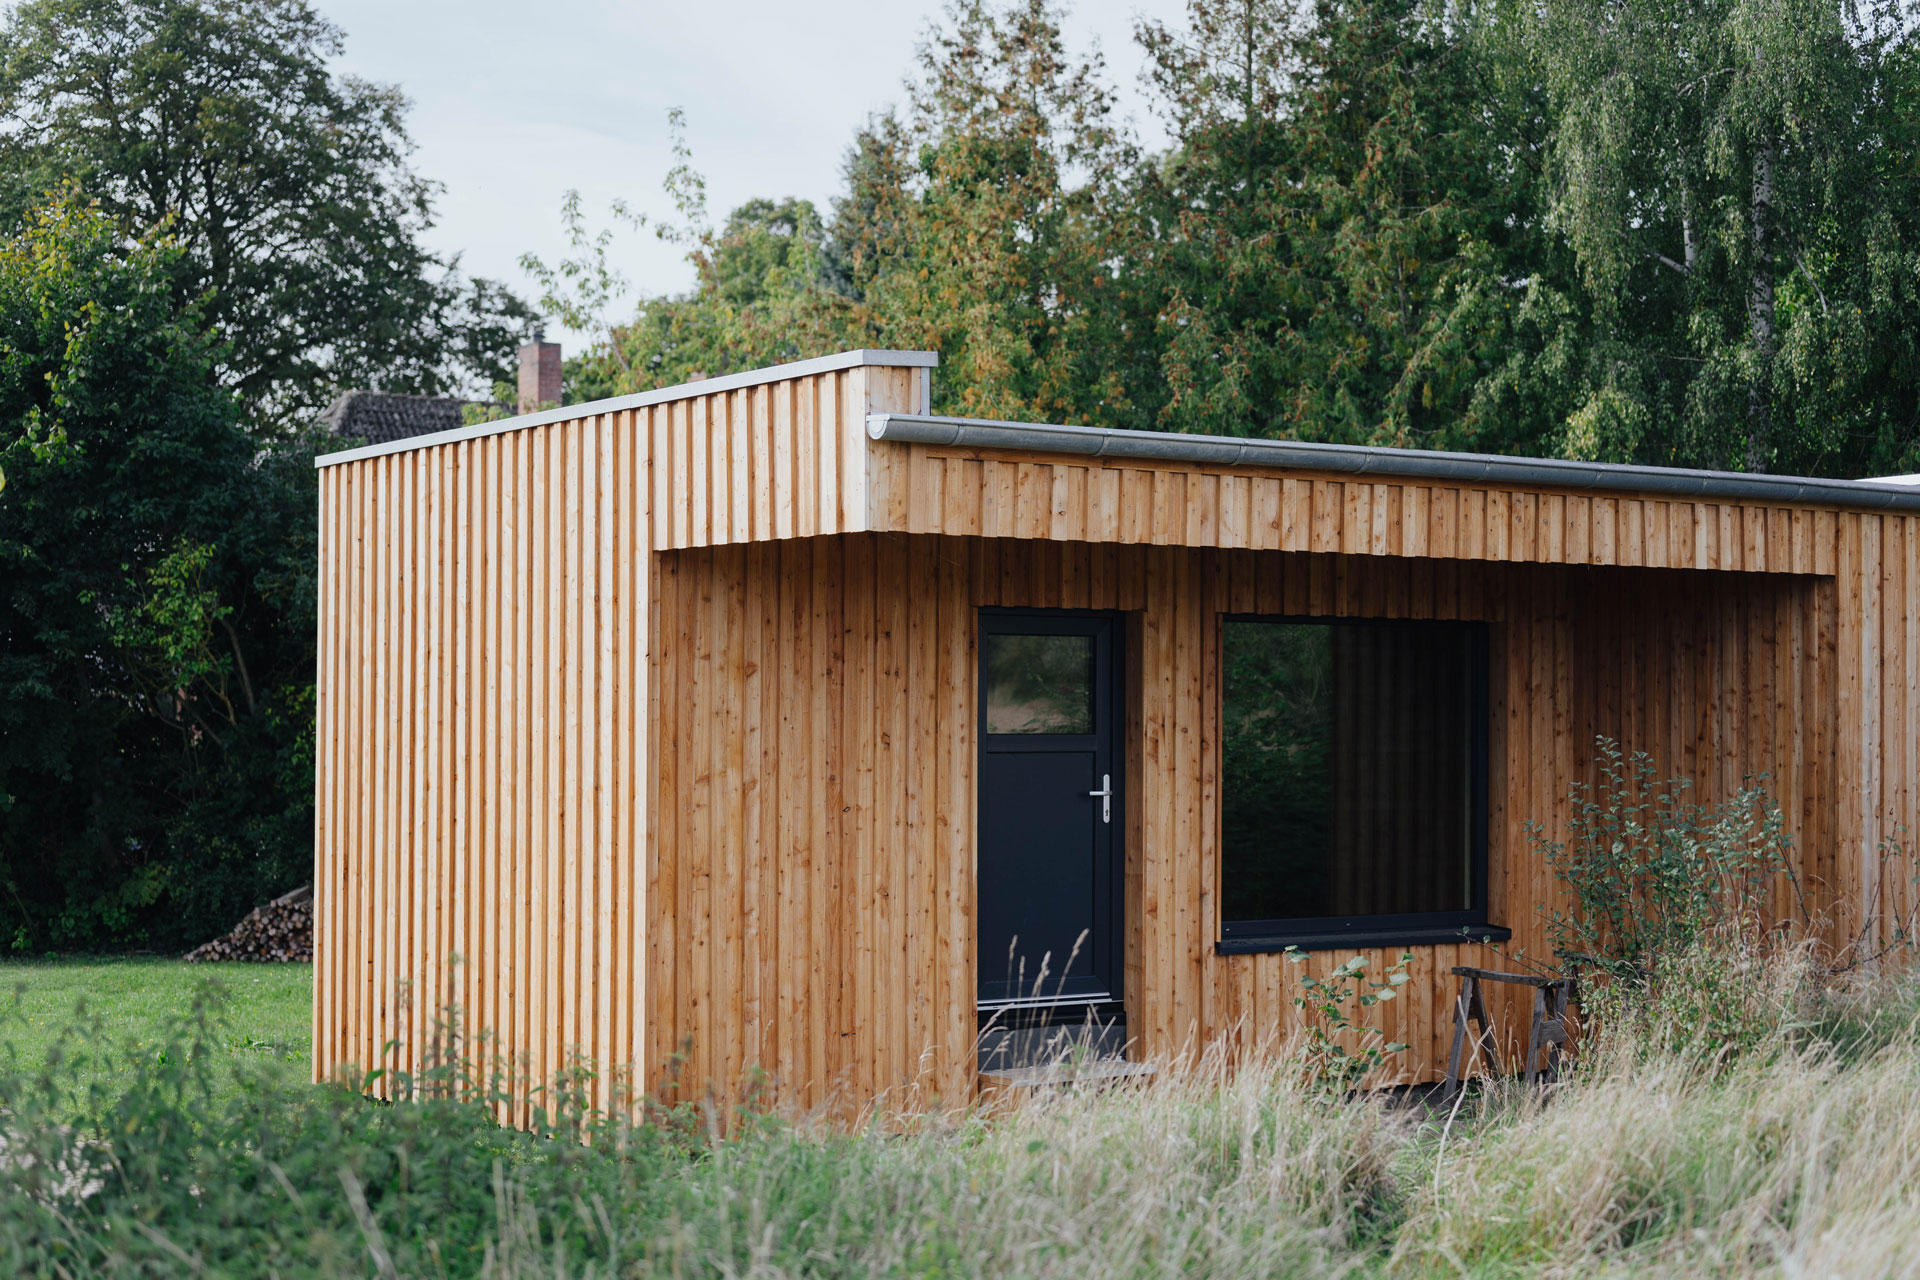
1049, 877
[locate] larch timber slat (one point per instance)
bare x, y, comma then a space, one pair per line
647, 734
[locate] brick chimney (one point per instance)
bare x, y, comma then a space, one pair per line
539, 374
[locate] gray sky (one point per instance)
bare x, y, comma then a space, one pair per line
515, 103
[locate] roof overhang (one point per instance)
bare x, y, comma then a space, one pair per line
1362, 460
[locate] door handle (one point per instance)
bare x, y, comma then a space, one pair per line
1106, 797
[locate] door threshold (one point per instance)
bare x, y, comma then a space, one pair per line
1045, 1002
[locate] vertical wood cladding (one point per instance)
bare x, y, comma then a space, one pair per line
484, 703
812, 866
482, 747
635, 716
935, 489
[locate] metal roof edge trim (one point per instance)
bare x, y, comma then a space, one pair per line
865, 357
1347, 459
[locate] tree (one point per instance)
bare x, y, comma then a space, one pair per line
1621, 230
1736, 180
762, 297
156, 626
288, 190
765, 291
1335, 227
1221, 257
989, 224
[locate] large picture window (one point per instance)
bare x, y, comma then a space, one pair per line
1353, 790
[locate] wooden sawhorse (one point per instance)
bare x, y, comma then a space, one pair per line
1549, 1030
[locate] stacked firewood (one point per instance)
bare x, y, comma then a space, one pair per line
278, 932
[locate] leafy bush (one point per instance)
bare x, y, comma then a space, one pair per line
1668, 906
1329, 1027
1649, 872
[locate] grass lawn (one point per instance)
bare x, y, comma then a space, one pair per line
270, 1014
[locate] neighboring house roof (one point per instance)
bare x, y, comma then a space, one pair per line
380, 418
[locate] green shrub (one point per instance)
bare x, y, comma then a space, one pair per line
1667, 914
1649, 872
1337, 1051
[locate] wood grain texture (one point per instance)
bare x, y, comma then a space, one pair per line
1675, 663
984, 493
788, 458
484, 739
651, 732
484, 749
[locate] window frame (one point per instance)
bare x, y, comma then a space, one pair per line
1308, 933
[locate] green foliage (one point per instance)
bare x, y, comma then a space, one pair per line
155, 1166
987, 222
287, 188
1341, 1053
764, 294
156, 607
1333, 224
1669, 913
1735, 182
1648, 873
578, 289
984, 221
271, 1175
182, 1154
762, 298
1525, 229
1731, 992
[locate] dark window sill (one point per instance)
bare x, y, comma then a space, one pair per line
1353, 938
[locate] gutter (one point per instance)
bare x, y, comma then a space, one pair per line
1367, 460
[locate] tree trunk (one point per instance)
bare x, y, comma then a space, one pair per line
1689, 249
1760, 312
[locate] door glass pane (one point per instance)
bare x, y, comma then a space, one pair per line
1039, 684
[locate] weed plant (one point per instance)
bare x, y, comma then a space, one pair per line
1335, 1050
1647, 871
1228, 1172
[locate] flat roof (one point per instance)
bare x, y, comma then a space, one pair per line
1368, 460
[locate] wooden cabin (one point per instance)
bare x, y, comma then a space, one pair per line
776, 727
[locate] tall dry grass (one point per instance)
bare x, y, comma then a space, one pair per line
1680, 1150
1792, 1152
1787, 1150
1793, 1164
1204, 1170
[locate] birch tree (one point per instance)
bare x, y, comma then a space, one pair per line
1734, 178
